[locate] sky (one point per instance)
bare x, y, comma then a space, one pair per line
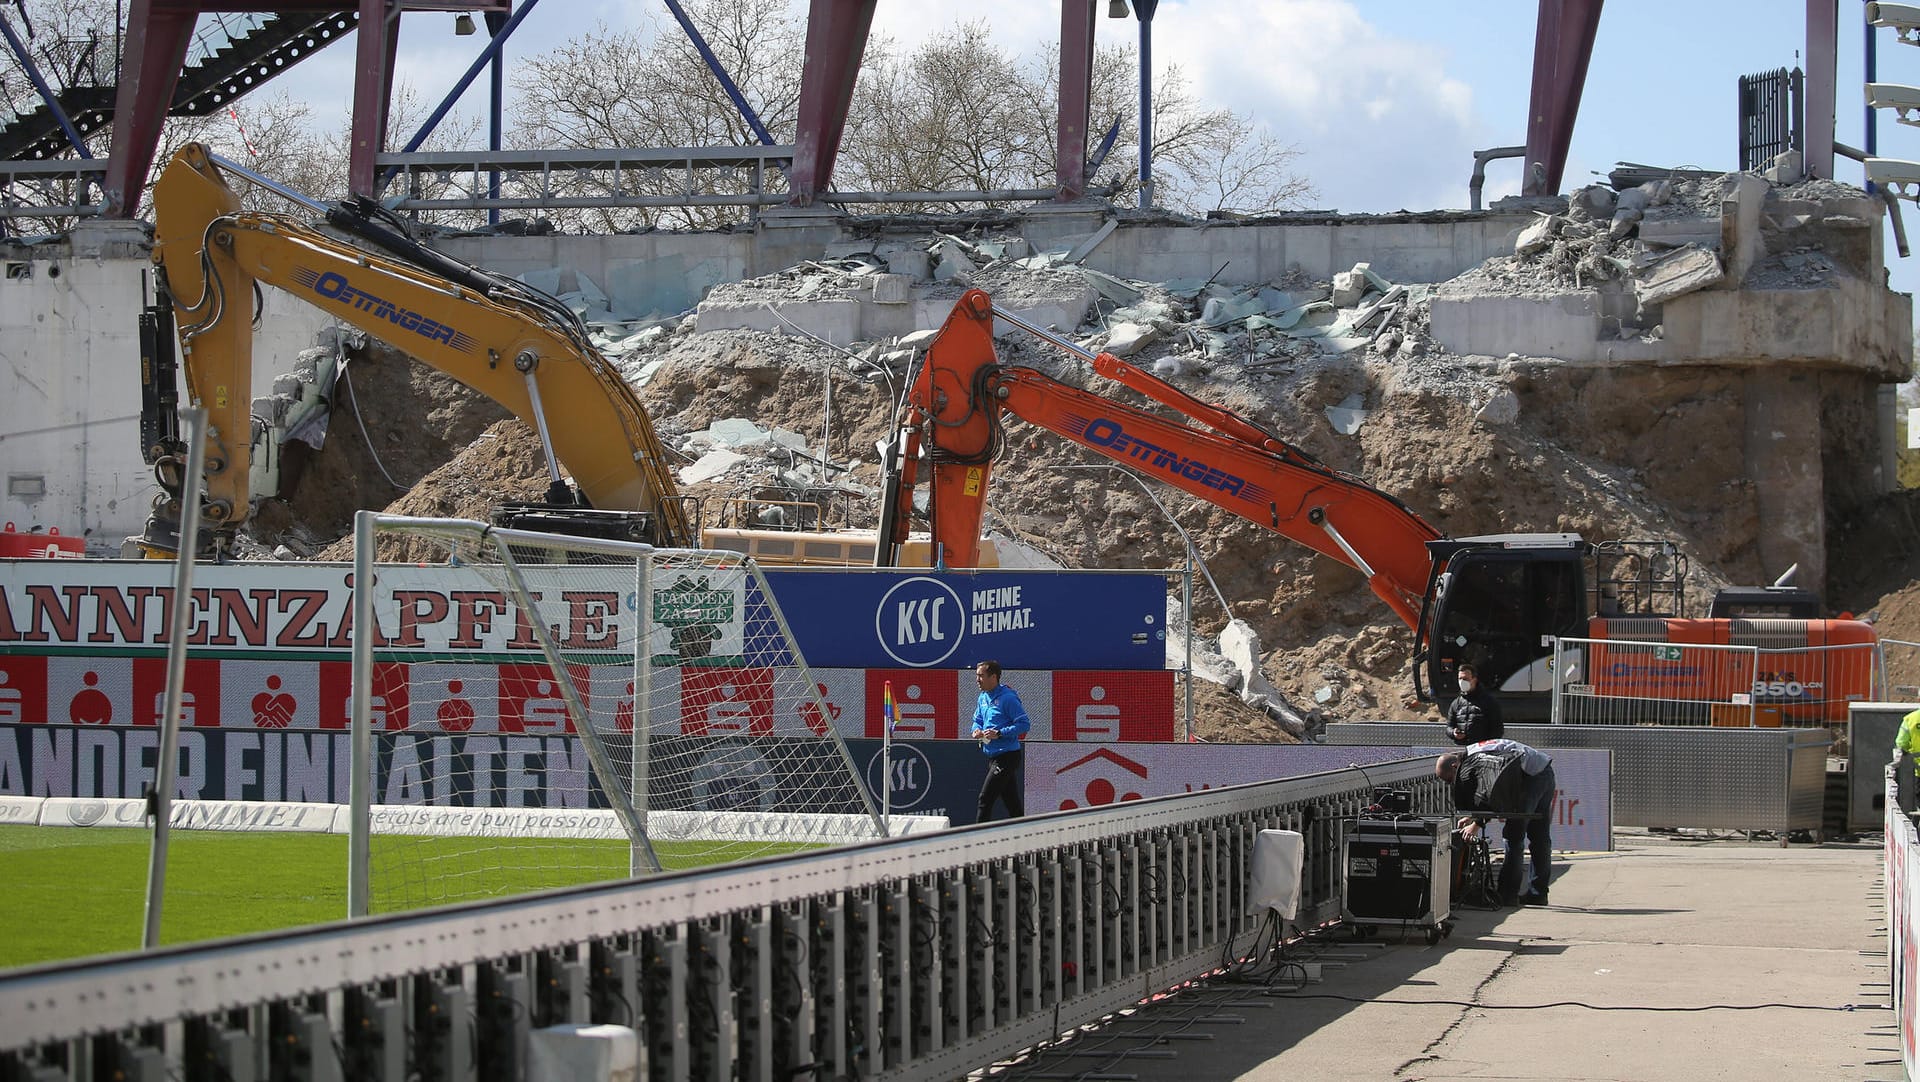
1386, 99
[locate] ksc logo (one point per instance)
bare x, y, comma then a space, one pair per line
912, 777
920, 622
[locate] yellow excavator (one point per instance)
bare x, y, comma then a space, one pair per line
518, 346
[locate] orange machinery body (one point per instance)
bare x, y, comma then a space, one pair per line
962, 391
1805, 671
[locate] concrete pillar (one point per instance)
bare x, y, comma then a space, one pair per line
1783, 456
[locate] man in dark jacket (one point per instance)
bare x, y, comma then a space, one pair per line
1507, 779
1473, 716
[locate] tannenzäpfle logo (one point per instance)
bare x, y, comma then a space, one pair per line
920, 622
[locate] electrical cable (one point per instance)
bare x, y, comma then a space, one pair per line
346, 373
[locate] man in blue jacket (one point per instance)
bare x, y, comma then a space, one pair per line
999, 724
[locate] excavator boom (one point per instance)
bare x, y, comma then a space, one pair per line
955, 409
491, 334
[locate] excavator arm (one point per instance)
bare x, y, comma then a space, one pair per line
504, 340
956, 403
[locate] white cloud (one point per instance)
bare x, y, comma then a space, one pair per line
1381, 123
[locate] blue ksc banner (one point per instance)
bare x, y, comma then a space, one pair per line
914, 618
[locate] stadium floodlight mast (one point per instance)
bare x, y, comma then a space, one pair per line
193, 426
1186, 582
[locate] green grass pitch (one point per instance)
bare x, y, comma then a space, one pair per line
79, 891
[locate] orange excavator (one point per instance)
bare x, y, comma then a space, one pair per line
1501, 601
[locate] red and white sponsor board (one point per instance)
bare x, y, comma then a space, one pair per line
1902, 846
465, 697
1063, 776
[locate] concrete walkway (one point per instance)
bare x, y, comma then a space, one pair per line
1665, 924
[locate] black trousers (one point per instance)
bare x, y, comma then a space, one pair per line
1002, 785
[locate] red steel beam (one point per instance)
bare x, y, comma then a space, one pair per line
378, 40
1562, 46
836, 38
148, 73
1076, 95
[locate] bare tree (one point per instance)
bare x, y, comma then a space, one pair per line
962, 113
651, 88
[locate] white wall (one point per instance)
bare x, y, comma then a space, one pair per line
70, 386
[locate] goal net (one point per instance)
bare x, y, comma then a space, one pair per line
534, 711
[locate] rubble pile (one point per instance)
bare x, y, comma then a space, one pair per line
774, 415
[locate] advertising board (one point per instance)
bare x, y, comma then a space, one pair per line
1065, 776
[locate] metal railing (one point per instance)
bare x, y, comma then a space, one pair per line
559, 179
914, 958
1625, 682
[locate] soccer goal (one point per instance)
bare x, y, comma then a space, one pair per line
533, 711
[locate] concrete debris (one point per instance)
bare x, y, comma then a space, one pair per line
1538, 236
1591, 203
952, 262
1632, 205
711, 465
1350, 286
1686, 270
1085, 248
1240, 645
892, 289
1501, 410
1347, 417
1127, 339
915, 263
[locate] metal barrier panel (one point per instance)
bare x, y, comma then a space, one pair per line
1902, 848
1870, 743
1742, 685
913, 958
1672, 776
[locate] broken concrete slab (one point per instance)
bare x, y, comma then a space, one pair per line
1593, 202
1347, 417
892, 289
711, 465
1153, 312
1127, 339
1677, 232
1117, 290
952, 262
1538, 236
1085, 248
736, 432
836, 320
1220, 311
1686, 270
1503, 408
1349, 287
915, 264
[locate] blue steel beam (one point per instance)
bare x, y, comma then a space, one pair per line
1144, 9
480, 63
720, 72
496, 25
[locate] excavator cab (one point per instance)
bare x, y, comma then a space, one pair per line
1497, 602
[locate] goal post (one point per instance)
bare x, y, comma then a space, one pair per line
524, 703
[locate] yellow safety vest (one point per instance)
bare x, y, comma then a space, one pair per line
1907, 738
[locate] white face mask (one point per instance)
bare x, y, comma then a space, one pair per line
1466, 685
